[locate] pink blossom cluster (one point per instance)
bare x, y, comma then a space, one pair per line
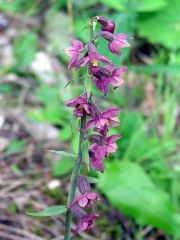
85, 200
103, 77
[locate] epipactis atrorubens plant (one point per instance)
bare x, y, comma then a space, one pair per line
91, 117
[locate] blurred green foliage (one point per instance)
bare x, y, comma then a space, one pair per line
25, 49
130, 189
142, 178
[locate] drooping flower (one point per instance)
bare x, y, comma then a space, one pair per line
116, 41
86, 223
98, 152
106, 24
106, 118
105, 76
93, 56
101, 77
74, 52
82, 105
85, 200
97, 155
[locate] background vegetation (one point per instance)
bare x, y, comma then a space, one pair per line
140, 186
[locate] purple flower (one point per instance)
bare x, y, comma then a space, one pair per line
86, 223
93, 56
106, 24
85, 200
82, 105
116, 41
105, 76
83, 185
116, 79
97, 152
74, 52
97, 155
102, 77
106, 118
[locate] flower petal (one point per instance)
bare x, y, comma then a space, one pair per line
113, 138
97, 165
114, 47
83, 61
102, 85
99, 57
111, 112
83, 202
70, 51
77, 44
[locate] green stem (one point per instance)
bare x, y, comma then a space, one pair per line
71, 16
74, 178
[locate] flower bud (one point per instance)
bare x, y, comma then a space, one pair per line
83, 185
78, 212
106, 24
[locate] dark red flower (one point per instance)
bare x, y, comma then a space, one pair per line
86, 223
116, 41
98, 152
106, 118
92, 56
85, 200
74, 52
82, 105
105, 76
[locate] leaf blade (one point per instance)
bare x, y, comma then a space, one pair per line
62, 153
49, 211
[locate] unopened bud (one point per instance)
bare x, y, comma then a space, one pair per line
107, 25
78, 212
83, 185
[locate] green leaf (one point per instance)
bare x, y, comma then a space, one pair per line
19, 6
129, 189
92, 179
163, 27
16, 145
25, 49
159, 68
65, 133
62, 167
5, 88
141, 5
63, 153
148, 6
50, 211
115, 4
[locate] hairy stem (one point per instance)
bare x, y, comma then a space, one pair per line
74, 178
